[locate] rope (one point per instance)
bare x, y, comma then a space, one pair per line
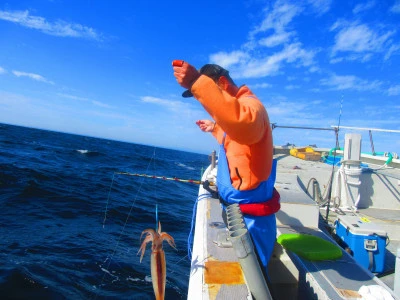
320, 199
342, 180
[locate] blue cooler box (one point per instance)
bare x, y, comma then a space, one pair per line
365, 239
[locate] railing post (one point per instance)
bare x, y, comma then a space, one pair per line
396, 288
213, 159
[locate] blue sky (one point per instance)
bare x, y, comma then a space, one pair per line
103, 68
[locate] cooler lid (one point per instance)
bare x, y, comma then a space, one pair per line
360, 225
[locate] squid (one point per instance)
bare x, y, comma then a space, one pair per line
158, 264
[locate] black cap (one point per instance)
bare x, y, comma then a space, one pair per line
210, 70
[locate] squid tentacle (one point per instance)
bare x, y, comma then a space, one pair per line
158, 263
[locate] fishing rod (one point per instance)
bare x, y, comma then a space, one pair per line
334, 159
165, 178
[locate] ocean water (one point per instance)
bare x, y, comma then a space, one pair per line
70, 226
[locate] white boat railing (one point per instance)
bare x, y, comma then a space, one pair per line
369, 132
396, 288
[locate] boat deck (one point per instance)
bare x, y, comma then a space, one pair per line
389, 220
216, 272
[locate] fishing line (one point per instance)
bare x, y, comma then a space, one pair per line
108, 199
155, 188
156, 217
182, 260
177, 263
190, 238
126, 221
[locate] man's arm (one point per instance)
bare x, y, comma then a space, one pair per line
244, 120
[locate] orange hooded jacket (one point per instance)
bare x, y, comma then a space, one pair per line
244, 119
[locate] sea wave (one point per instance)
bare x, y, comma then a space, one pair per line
88, 152
185, 166
57, 190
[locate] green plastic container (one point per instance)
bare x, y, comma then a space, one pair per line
309, 246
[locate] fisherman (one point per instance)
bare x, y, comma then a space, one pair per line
246, 169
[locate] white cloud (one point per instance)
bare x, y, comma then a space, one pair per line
317, 102
261, 85
336, 60
101, 104
72, 97
2, 71
276, 21
94, 102
226, 60
281, 15
287, 112
179, 107
275, 39
392, 50
159, 101
247, 67
292, 87
358, 38
363, 57
32, 76
10, 100
394, 90
57, 28
314, 68
396, 7
363, 6
253, 60
271, 65
321, 6
350, 82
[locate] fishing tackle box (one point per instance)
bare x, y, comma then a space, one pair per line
366, 240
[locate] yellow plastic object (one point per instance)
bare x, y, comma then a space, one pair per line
309, 246
306, 153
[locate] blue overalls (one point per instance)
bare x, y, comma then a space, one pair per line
262, 228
